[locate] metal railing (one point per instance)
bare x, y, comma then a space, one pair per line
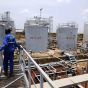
43, 75
26, 67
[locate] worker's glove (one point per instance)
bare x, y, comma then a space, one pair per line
20, 48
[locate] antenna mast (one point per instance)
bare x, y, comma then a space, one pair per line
41, 12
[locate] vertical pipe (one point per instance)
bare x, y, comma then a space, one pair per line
41, 12
87, 66
41, 81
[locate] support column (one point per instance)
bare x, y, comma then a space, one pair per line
41, 81
29, 69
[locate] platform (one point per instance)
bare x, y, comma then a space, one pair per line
66, 81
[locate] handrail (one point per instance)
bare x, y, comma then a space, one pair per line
45, 76
13, 81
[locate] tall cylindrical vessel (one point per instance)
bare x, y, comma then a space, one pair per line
2, 35
67, 37
7, 21
85, 36
36, 38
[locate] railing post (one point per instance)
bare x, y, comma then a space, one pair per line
87, 66
41, 81
22, 64
20, 52
29, 76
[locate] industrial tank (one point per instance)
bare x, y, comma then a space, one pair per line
7, 21
85, 36
67, 37
36, 38
2, 35
36, 33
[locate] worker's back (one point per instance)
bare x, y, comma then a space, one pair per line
10, 43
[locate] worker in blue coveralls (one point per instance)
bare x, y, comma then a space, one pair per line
9, 46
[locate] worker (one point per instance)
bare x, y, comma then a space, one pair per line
9, 46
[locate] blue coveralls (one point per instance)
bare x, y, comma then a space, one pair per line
9, 48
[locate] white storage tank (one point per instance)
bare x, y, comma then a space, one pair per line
7, 21
2, 34
85, 36
67, 37
36, 38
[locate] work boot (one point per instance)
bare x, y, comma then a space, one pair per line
5, 73
11, 75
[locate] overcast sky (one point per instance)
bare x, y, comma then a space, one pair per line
61, 10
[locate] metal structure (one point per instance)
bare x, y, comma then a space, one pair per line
36, 33
67, 37
42, 73
70, 58
44, 76
26, 67
68, 82
7, 21
46, 22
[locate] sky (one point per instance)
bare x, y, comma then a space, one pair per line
63, 11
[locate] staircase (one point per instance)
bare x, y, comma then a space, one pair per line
10, 82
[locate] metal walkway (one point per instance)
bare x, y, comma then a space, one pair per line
67, 82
